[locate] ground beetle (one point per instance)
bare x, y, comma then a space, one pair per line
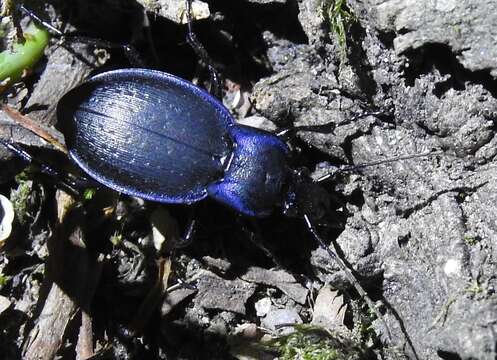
156, 136
153, 135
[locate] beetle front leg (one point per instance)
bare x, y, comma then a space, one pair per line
348, 273
255, 236
327, 128
190, 232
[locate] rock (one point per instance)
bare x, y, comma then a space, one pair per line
174, 298
64, 71
426, 224
220, 294
218, 264
5, 303
174, 10
277, 318
263, 306
258, 122
279, 279
263, 2
465, 27
329, 309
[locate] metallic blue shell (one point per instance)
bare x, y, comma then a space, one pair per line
153, 135
147, 133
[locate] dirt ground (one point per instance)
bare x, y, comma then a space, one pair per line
91, 279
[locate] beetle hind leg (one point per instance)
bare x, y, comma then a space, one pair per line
198, 48
129, 51
68, 182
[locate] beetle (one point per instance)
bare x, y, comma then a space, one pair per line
156, 136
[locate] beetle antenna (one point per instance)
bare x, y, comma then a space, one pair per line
348, 274
346, 168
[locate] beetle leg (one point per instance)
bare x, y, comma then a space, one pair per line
129, 51
327, 128
198, 48
348, 274
67, 182
56, 32
255, 236
189, 234
184, 284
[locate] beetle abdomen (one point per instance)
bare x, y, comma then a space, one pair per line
147, 133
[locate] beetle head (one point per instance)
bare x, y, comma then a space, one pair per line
306, 197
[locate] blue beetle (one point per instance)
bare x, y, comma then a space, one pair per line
156, 136
153, 135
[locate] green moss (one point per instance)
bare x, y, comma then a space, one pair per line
471, 240
89, 193
312, 343
475, 289
340, 19
20, 198
116, 238
3, 280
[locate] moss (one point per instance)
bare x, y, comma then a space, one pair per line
116, 238
89, 193
20, 198
475, 289
340, 19
312, 343
471, 240
3, 280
